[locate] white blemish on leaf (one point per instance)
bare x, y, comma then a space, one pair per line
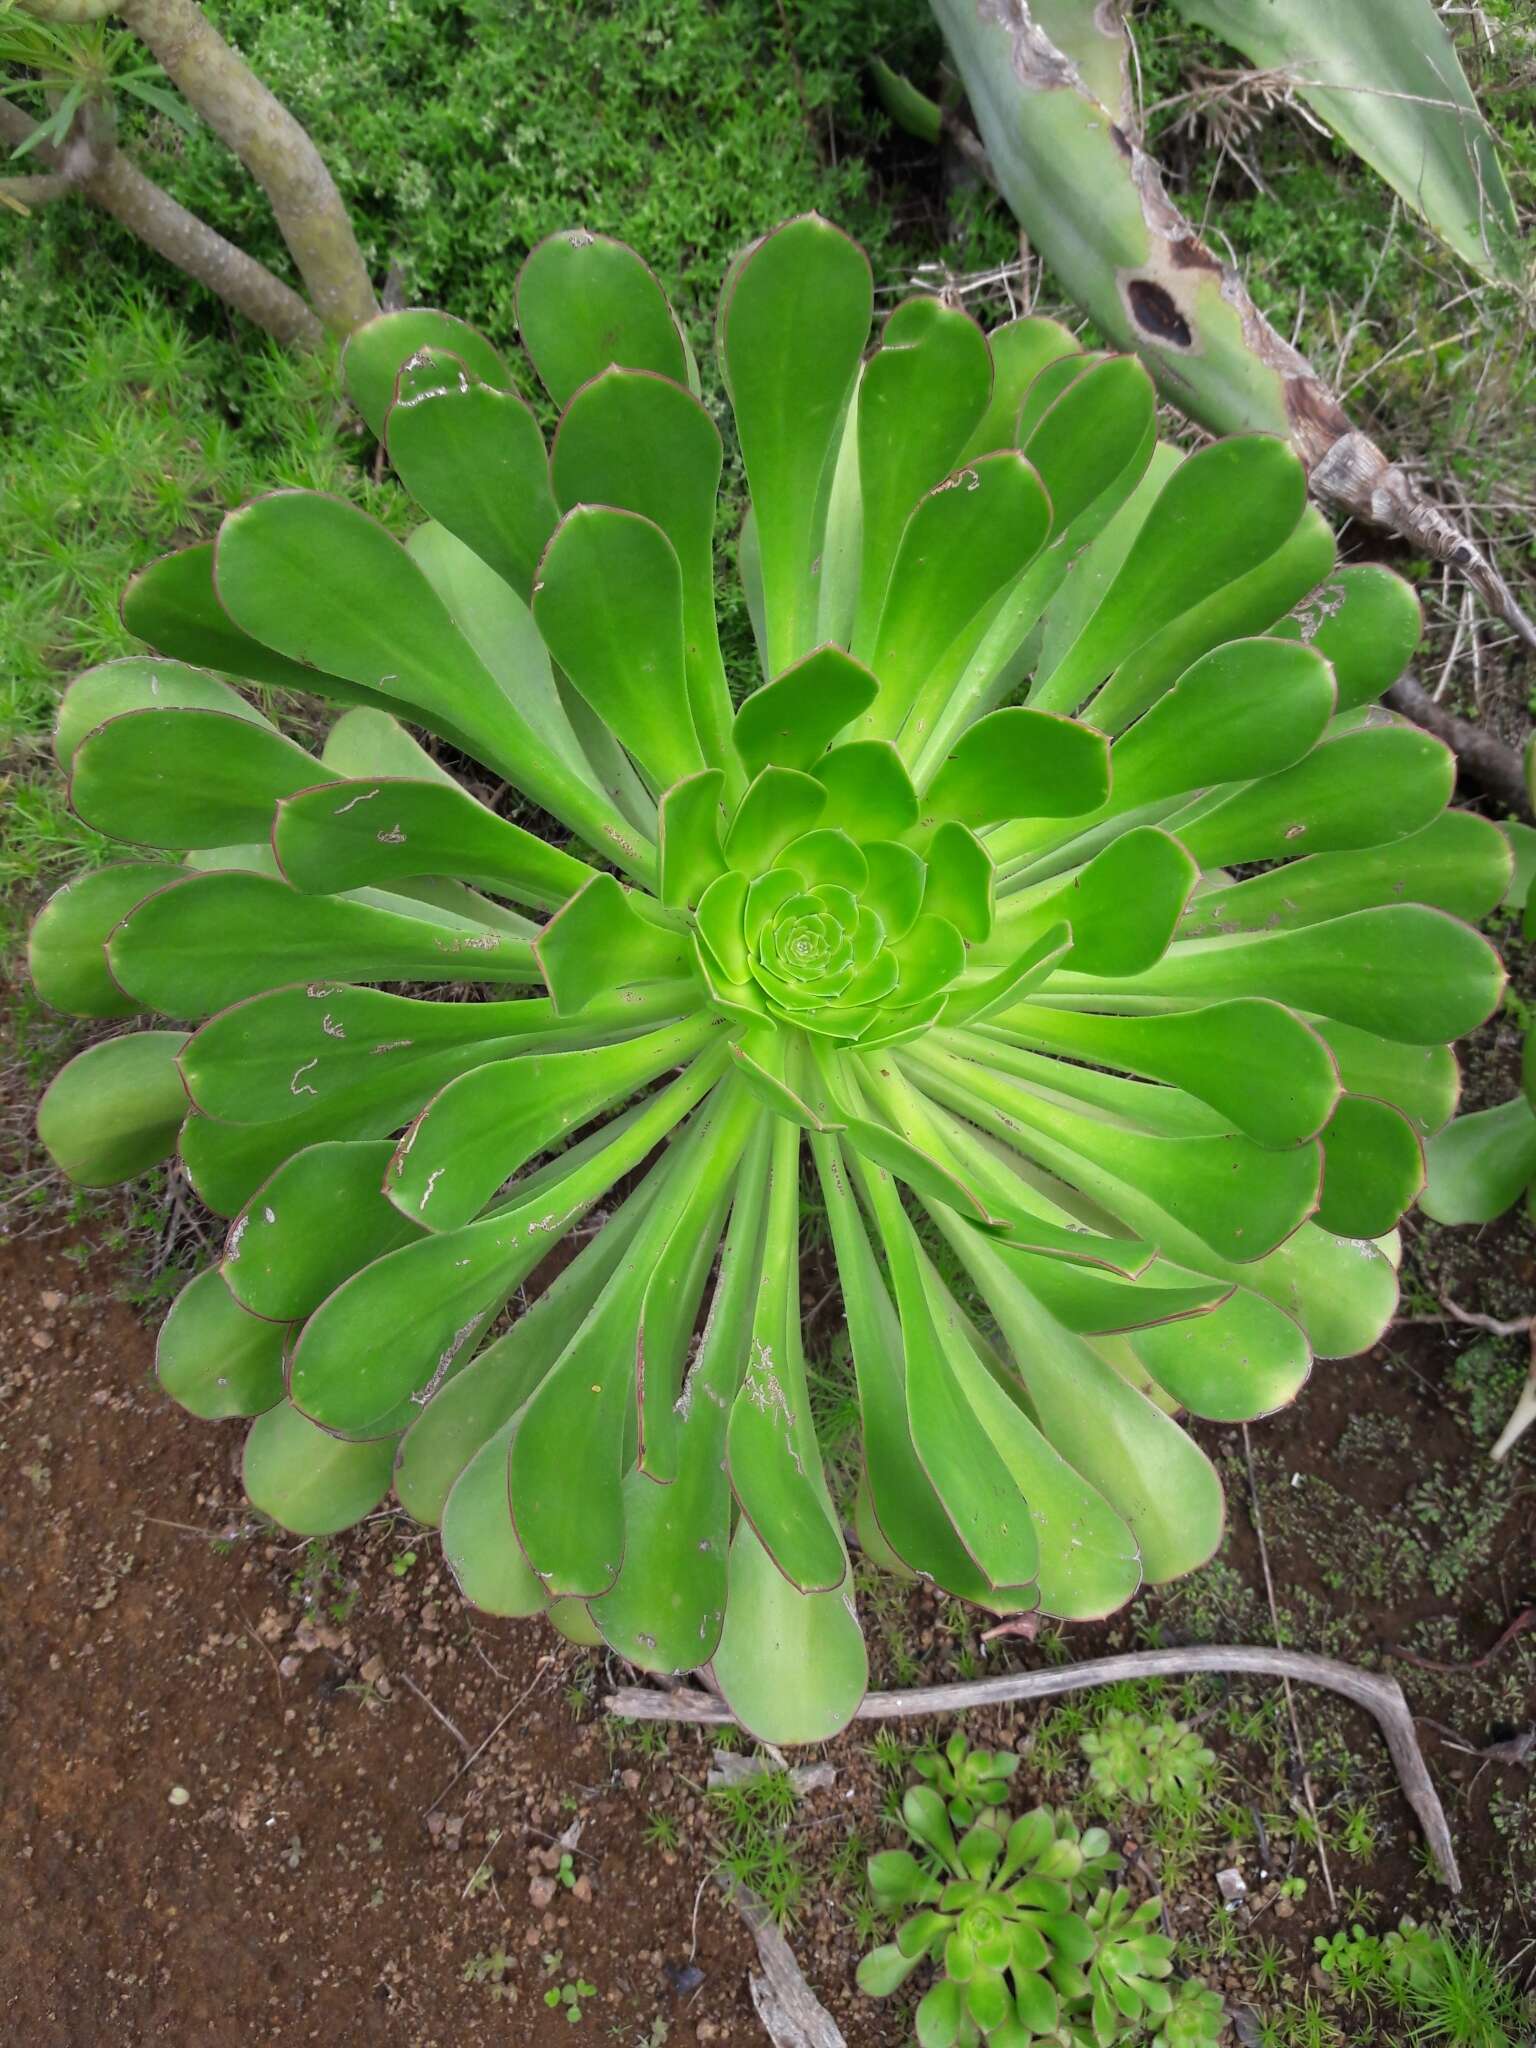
460, 1339
432, 1180
393, 1044
232, 1248
293, 1085
366, 796
331, 1028
269, 1215
393, 837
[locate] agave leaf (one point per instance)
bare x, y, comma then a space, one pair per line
635, 440
1431, 978
319, 1219
195, 778
469, 1409
1388, 81
309, 1482
921, 396
770, 1439
214, 1357
479, 1543
66, 948
1480, 1165
485, 1126
373, 355
789, 378
199, 944
584, 301
609, 602
473, 458
115, 1109
791, 1666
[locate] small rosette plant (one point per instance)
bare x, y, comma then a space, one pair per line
943, 894
1155, 1763
1028, 1943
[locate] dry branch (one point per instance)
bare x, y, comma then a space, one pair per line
1382, 1698
92, 165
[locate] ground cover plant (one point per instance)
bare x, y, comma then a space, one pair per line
876, 907
1031, 1938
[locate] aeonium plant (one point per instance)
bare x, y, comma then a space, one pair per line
939, 906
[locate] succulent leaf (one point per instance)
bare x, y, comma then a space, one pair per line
940, 892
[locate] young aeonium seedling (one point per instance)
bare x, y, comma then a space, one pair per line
1028, 1941
1149, 1762
942, 892
971, 1780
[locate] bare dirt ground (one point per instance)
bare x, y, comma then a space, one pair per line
275, 1793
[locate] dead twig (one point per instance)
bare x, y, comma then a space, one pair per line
436, 1712
1517, 1627
470, 1762
1290, 1695
1382, 1698
1482, 759
791, 2013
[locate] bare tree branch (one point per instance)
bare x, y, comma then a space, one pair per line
1381, 1697
92, 165
274, 148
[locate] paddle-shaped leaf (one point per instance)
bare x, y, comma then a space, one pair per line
1060, 886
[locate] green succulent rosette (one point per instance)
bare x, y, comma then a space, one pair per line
1055, 892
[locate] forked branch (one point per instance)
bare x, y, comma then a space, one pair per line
1382, 1698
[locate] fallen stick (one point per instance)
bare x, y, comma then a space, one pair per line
1382, 1698
791, 2013
1482, 758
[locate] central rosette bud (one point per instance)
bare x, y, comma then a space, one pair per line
819, 945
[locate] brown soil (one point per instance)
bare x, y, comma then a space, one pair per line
233, 1812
